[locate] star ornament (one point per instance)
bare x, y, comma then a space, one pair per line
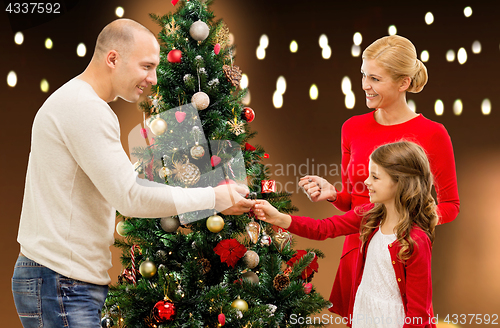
172, 27
236, 127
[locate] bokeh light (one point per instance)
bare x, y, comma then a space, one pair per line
244, 81
261, 53
19, 38
264, 41
350, 100
48, 43
467, 11
429, 18
355, 50
323, 40
486, 107
44, 85
281, 85
326, 52
313, 92
462, 56
81, 50
424, 56
476, 47
439, 107
392, 30
277, 99
294, 46
12, 79
458, 107
357, 38
346, 85
119, 11
450, 55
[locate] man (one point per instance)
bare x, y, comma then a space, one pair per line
78, 175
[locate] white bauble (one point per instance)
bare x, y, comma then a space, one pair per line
158, 126
200, 100
199, 30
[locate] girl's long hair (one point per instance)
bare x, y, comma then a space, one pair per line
407, 164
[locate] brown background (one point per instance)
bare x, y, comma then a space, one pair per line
303, 132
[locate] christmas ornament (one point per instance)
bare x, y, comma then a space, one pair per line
265, 240
281, 281
107, 322
222, 35
217, 48
170, 223
251, 259
215, 223
199, 30
120, 228
268, 186
174, 2
126, 275
240, 304
164, 172
282, 239
249, 114
180, 116
230, 251
205, 264
138, 167
164, 311
200, 100
144, 133
307, 287
132, 259
155, 100
158, 126
253, 230
213, 83
310, 269
215, 160
271, 308
251, 276
233, 74
147, 269
161, 255
197, 151
222, 319
236, 127
174, 56
172, 27
187, 173
249, 147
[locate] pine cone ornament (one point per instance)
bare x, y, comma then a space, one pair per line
233, 74
281, 281
206, 266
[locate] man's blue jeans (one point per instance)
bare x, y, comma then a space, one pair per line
45, 298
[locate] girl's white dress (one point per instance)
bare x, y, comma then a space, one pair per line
378, 300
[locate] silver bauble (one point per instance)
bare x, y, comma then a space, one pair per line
169, 223
251, 276
251, 259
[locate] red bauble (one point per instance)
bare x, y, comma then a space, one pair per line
215, 160
164, 311
222, 319
217, 49
144, 133
180, 116
174, 56
307, 287
249, 114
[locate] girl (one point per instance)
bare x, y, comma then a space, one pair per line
390, 69
393, 285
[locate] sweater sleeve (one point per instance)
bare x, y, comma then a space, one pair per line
344, 201
335, 226
92, 136
419, 284
445, 177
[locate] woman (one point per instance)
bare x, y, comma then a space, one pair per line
390, 69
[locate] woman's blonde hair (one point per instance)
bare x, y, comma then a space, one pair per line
399, 57
408, 166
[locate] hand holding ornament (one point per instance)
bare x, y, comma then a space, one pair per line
268, 213
229, 201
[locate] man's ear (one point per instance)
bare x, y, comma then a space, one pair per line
112, 58
405, 83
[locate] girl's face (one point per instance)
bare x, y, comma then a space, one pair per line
381, 187
380, 89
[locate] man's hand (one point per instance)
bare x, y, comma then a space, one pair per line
318, 188
229, 199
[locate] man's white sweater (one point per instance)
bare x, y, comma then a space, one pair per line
78, 175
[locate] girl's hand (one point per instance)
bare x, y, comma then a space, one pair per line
266, 212
318, 189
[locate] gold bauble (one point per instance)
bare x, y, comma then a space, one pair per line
215, 223
164, 172
120, 228
147, 269
251, 276
197, 151
200, 100
240, 304
251, 259
158, 126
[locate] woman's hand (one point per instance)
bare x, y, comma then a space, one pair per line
266, 212
318, 189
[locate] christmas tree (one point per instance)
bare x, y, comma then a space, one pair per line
200, 269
